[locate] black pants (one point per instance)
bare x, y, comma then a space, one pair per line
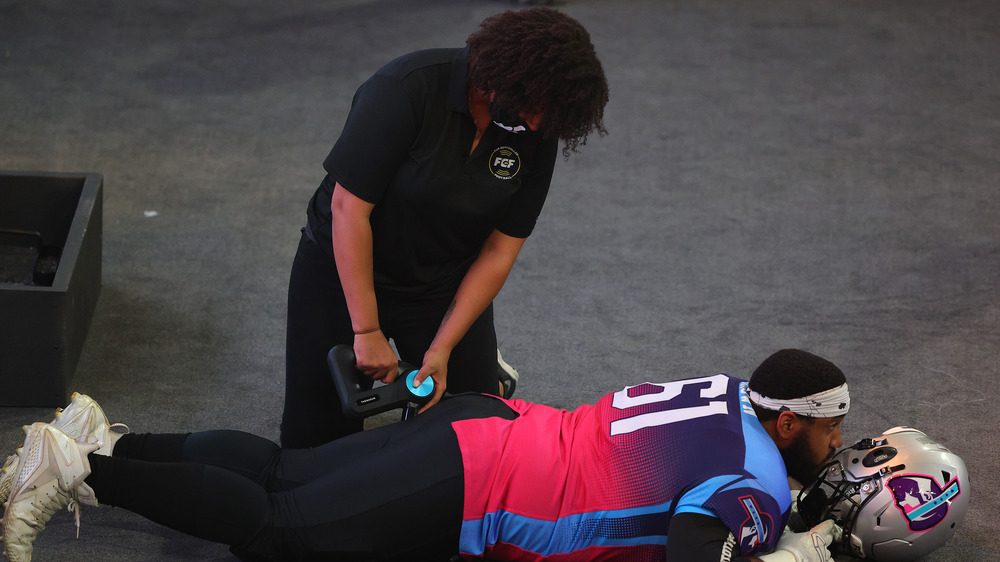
318, 319
391, 493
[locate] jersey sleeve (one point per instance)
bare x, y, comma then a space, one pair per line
743, 505
379, 130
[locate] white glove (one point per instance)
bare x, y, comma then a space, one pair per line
811, 546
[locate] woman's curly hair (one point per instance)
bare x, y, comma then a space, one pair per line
541, 60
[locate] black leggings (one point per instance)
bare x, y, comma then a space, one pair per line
318, 319
391, 493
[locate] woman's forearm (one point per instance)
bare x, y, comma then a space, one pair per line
481, 284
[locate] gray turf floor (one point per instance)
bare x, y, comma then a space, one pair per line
811, 173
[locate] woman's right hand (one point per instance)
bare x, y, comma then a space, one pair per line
374, 356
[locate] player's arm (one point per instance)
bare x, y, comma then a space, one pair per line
703, 538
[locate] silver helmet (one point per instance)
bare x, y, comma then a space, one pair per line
897, 496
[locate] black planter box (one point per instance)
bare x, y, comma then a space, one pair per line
50, 278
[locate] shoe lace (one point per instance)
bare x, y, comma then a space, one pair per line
119, 427
74, 508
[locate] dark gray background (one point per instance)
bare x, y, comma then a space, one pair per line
816, 174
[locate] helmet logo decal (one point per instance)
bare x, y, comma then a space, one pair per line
756, 529
921, 500
505, 163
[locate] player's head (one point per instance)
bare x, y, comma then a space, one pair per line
540, 62
897, 496
806, 398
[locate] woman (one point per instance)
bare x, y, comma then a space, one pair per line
432, 188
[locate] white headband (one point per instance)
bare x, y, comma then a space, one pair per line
827, 404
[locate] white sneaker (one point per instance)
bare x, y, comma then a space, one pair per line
85, 422
508, 376
51, 468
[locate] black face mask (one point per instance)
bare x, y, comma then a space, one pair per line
507, 120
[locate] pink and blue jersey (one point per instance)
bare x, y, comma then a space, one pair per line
603, 481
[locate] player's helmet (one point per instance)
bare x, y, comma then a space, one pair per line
897, 496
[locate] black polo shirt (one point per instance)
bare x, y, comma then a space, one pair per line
405, 148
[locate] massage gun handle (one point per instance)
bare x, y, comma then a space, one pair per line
359, 399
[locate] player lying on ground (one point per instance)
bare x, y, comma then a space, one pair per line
686, 470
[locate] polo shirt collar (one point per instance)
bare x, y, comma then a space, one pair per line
458, 93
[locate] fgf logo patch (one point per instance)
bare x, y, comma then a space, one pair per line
505, 163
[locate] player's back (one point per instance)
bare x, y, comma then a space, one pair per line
605, 479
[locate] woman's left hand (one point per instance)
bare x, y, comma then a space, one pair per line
436, 366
